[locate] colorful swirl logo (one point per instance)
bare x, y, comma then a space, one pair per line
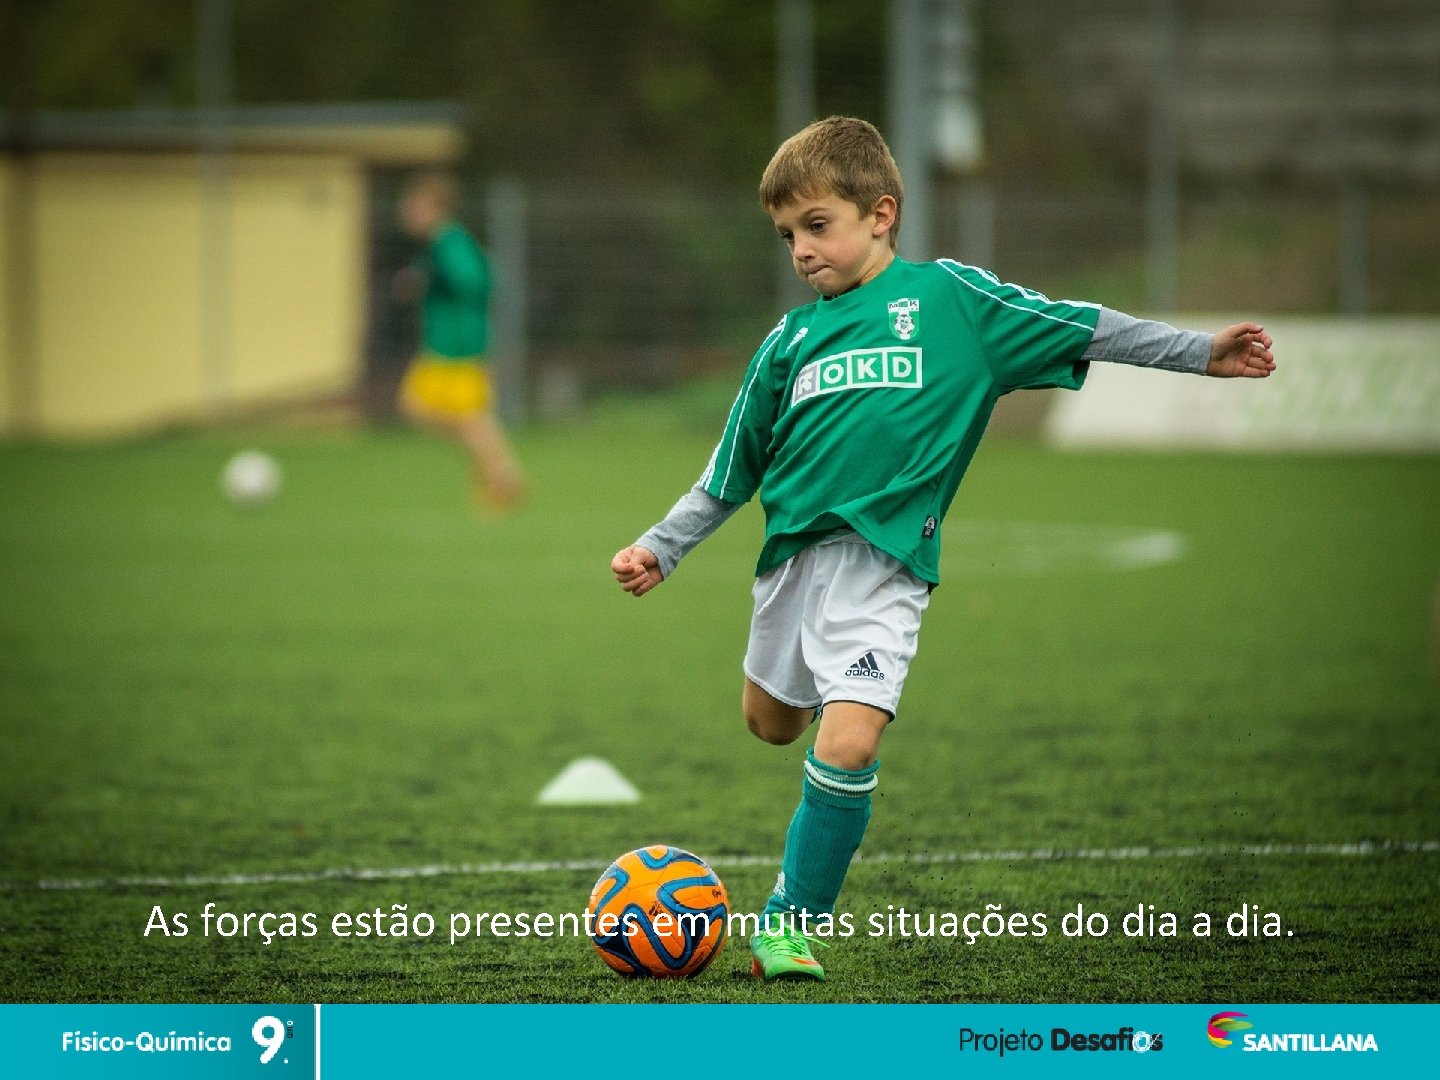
1222, 1024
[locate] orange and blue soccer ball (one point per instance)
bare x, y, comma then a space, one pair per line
658, 911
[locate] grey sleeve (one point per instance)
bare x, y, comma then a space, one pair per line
1125, 340
695, 516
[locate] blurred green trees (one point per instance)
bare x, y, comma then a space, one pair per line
646, 88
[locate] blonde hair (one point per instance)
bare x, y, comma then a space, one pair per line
841, 156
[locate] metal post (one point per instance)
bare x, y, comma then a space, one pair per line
795, 107
507, 239
909, 124
18, 288
795, 64
1353, 269
21, 347
1354, 248
975, 212
959, 135
1162, 204
958, 139
215, 90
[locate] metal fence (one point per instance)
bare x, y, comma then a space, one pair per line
602, 287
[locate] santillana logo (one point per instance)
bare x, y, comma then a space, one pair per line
1305, 1042
1221, 1024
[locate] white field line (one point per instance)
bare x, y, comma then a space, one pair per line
920, 858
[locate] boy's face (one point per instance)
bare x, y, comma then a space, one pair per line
834, 247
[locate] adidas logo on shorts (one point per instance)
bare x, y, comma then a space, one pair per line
865, 668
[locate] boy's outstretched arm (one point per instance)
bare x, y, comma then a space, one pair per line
651, 559
744, 451
1241, 351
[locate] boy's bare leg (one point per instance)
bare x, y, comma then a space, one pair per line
493, 458
772, 720
824, 833
849, 734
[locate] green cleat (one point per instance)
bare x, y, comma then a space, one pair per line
784, 954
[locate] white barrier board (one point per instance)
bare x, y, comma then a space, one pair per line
1340, 384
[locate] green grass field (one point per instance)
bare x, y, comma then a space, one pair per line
285, 710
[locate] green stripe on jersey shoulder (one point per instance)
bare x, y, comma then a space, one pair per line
1018, 297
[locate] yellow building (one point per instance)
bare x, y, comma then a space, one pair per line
153, 271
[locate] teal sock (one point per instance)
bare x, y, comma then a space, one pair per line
824, 834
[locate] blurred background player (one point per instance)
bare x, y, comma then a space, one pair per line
448, 386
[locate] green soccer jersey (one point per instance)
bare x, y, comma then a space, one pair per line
863, 411
454, 319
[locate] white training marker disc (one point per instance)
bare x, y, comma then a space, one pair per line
588, 781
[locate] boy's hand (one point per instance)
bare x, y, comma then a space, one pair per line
637, 570
1241, 351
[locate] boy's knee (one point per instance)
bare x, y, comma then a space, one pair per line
767, 729
849, 754
772, 720
849, 736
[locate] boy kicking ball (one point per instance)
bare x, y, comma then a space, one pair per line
855, 421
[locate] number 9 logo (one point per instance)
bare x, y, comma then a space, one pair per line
269, 1033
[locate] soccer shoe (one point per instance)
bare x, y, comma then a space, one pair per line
784, 954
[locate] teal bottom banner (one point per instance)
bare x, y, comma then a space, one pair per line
875, 1041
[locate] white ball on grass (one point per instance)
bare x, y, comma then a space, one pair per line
251, 478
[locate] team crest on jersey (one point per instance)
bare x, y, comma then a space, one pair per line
902, 317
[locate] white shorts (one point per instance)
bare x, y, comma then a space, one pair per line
837, 622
